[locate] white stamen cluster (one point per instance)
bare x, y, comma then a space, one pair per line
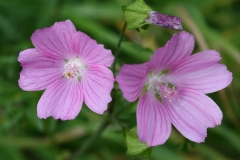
70, 70
73, 68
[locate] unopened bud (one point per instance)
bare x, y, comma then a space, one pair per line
164, 20
138, 15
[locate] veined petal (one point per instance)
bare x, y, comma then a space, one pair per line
62, 100
177, 48
153, 122
90, 51
55, 41
97, 85
200, 72
38, 71
131, 80
192, 112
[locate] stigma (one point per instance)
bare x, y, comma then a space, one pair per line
166, 91
161, 88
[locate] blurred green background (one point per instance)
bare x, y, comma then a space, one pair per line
23, 136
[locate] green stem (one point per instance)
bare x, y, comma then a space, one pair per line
118, 47
88, 143
110, 110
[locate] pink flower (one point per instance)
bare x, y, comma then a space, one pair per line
172, 88
72, 68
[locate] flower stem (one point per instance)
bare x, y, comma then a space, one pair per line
118, 47
110, 109
88, 143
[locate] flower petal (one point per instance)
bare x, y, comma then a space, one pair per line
90, 51
192, 112
131, 80
55, 41
62, 100
97, 85
200, 72
177, 48
153, 122
38, 71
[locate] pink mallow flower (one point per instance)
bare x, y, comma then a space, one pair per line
171, 90
72, 68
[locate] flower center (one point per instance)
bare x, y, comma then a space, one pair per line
166, 91
74, 68
161, 88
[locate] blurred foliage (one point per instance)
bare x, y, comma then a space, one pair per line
23, 136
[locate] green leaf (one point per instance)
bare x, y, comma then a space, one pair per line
136, 14
135, 147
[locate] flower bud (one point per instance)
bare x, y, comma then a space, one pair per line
138, 15
164, 20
